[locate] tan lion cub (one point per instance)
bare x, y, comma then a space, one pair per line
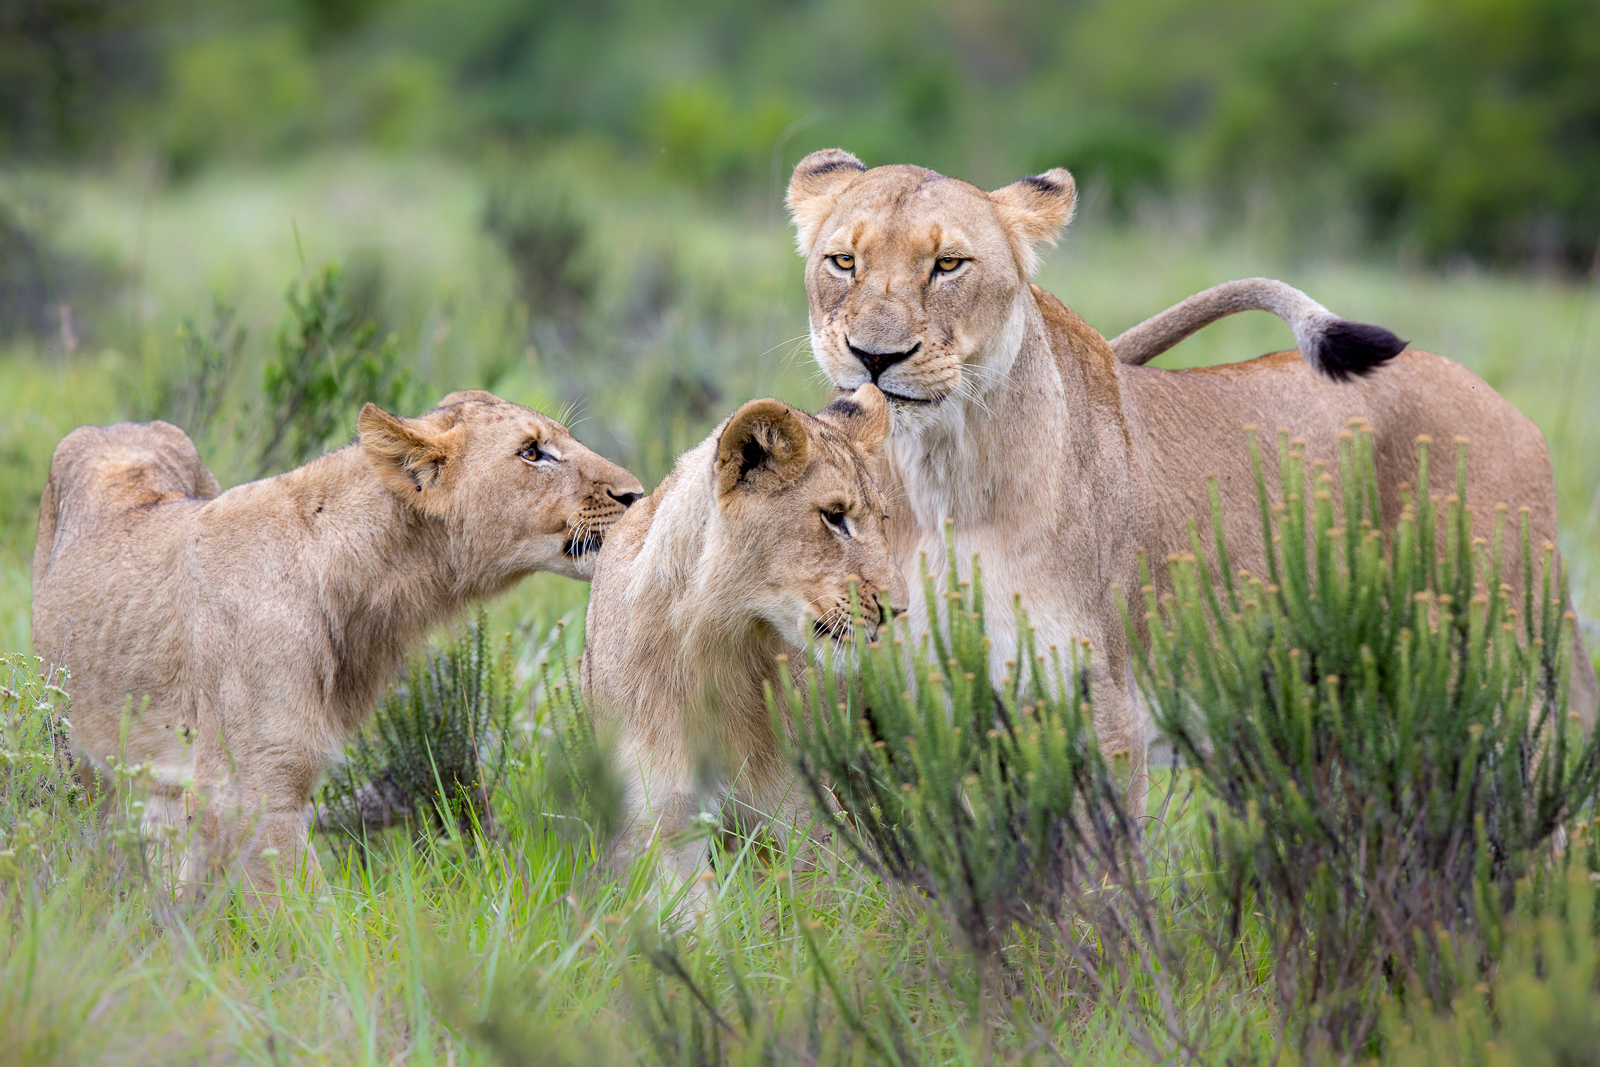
746, 550
261, 623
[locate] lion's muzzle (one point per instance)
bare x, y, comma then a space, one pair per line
878, 361
586, 530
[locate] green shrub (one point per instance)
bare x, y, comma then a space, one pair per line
436, 748
327, 366
1382, 723
993, 802
548, 241
35, 764
580, 792
1540, 1005
191, 393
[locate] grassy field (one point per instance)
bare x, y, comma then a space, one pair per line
562, 283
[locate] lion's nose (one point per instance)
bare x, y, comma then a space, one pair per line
626, 498
877, 362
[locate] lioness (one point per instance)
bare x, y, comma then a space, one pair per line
1055, 460
261, 623
742, 554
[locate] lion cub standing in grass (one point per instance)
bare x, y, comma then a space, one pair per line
744, 553
261, 623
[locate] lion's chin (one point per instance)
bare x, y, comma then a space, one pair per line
579, 554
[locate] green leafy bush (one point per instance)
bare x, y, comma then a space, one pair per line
327, 366
35, 764
1382, 724
580, 791
435, 749
992, 801
191, 392
1539, 1006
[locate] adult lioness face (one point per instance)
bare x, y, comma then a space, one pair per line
515, 486
914, 279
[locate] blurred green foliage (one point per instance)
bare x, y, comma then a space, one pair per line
67, 68
1438, 127
328, 365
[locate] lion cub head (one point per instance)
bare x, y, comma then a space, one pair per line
512, 485
799, 515
914, 279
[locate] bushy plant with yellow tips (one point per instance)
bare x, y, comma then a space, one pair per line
1382, 723
992, 801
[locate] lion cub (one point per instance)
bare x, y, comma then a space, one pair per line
260, 624
743, 553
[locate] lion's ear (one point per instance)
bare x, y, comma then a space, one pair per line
763, 447
1033, 211
466, 396
863, 416
407, 457
817, 182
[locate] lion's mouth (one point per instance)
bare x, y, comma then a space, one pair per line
832, 629
583, 544
839, 628
901, 398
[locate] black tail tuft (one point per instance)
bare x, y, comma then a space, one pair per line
1354, 349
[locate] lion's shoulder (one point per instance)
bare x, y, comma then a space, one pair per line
1066, 325
1078, 346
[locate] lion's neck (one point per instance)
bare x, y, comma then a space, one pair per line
1024, 473
714, 650
975, 459
384, 573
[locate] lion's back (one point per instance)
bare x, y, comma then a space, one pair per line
1190, 424
1418, 393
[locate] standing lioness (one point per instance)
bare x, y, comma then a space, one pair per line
1054, 459
261, 623
746, 551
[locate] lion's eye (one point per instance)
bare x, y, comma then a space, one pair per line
533, 453
946, 264
844, 261
835, 517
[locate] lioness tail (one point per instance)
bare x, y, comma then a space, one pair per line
1335, 347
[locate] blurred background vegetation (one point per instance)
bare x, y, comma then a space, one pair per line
579, 205
1445, 128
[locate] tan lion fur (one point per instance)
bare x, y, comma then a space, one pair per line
700, 589
1055, 461
261, 623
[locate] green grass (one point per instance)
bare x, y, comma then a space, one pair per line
524, 950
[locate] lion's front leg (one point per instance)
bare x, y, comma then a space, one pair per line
662, 809
258, 838
782, 808
1120, 728
253, 797
284, 861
